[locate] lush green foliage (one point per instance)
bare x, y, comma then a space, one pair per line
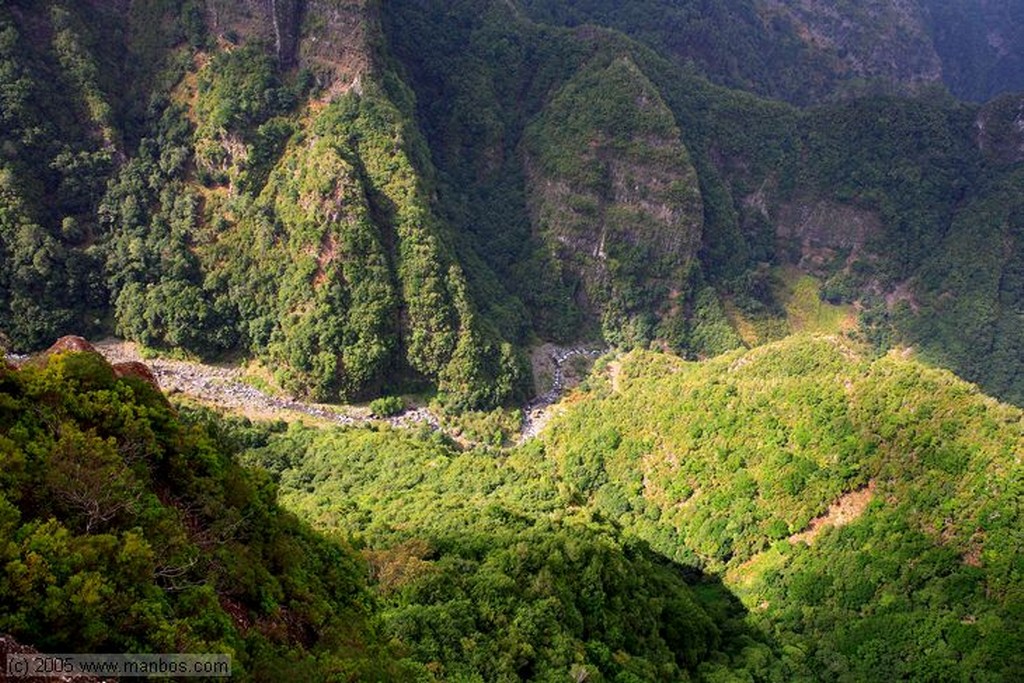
459, 201
718, 466
315, 248
607, 186
124, 527
479, 581
543, 561
501, 173
386, 406
310, 242
968, 316
129, 527
52, 172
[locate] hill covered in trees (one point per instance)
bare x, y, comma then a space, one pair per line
126, 528
129, 525
800, 511
367, 199
381, 198
865, 512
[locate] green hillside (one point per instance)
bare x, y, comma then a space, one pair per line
378, 198
126, 527
800, 511
864, 510
788, 223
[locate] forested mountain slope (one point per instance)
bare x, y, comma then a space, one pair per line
381, 198
879, 195
866, 511
861, 516
366, 198
807, 50
126, 528
127, 525
248, 205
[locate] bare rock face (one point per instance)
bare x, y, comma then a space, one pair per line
616, 199
886, 39
815, 233
332, 38
137, 370
276, 22
66, 344
999, 128
70, 343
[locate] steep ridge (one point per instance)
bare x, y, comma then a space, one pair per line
615, 198
284, 211
806, 51
395, 198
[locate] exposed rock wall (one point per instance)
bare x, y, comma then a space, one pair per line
333, 38
616, 199
814, 233
1000, 129
886, 39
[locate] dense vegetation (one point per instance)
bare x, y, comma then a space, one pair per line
718, 466
807, 51
126, 528
229, 219
890, 185
752, 447
378, 199
414, 223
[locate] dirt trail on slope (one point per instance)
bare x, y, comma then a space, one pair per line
848, 508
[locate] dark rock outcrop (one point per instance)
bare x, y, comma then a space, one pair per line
336, 43
137, 370
999, 128
287, 16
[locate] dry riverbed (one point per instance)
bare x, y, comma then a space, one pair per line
557, 370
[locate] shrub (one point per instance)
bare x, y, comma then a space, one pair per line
386, 406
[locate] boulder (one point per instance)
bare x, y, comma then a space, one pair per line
70, 343
134, 368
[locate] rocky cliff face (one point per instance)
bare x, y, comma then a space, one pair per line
1000, 129
819, 235
616, 199
886, 39
510, 179
330, 37
972, 47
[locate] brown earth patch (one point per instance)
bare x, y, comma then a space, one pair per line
138, 370
615, 375
848, 508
